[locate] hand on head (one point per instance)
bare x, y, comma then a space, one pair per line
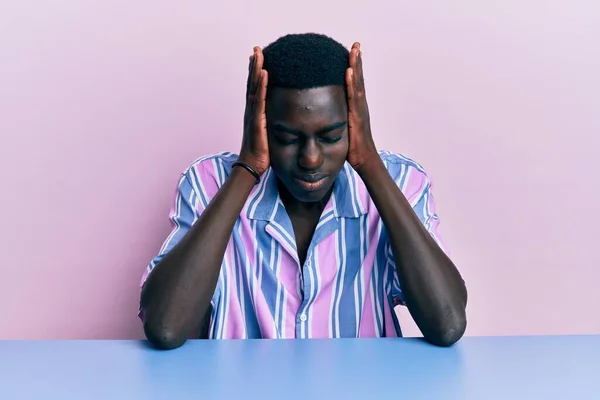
255, 149
362, 147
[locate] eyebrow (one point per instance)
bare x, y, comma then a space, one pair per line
298, 132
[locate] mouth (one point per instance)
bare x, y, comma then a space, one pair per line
311, 183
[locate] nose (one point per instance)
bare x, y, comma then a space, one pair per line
310, 157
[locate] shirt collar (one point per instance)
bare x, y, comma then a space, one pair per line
349, 198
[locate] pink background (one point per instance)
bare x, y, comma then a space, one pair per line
103, 103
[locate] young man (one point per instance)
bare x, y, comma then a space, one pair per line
310, 232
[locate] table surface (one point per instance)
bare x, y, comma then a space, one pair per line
528, 367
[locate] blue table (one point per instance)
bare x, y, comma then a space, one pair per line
547, 367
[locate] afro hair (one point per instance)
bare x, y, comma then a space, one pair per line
306, 61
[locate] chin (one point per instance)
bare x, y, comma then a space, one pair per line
310, 196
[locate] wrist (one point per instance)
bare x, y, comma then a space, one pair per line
369, 164
240, 176
250, 170
258, 166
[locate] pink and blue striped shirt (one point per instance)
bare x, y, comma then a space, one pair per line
347, 287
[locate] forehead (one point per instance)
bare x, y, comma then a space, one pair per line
327, 102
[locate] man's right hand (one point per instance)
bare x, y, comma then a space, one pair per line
255, 147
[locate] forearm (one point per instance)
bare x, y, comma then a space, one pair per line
179, 289
433, 289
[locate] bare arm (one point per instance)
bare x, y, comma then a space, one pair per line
433, 289
178, 290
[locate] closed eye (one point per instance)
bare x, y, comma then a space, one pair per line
285, 138
326, 139
286, 142
288, 136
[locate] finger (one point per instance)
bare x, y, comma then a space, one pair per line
355, 50
250, 85
250, 62
258, 53
251, 80
258, 64
260, 100
352, 57
354, 64
350, 85
356, 61
250, 59
359, 67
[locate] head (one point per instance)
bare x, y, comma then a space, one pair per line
307, 113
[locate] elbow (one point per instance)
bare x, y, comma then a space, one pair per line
161, 336
159, 333
452, 330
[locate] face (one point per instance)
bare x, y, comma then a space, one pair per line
308, 138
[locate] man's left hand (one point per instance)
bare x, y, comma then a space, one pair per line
362, 147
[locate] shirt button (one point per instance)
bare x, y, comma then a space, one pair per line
308, 263
303, 317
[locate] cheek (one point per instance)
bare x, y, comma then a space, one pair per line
281, 156
346, 142
339, 151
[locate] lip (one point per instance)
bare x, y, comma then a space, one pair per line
311, 183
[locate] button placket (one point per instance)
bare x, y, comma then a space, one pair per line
306, 285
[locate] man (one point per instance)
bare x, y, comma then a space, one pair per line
310, 232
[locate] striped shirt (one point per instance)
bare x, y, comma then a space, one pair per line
347, 287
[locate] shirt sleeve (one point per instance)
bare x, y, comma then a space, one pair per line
196, 187
417, 187
425, 209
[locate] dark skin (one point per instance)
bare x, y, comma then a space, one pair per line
308, 139
311, 133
